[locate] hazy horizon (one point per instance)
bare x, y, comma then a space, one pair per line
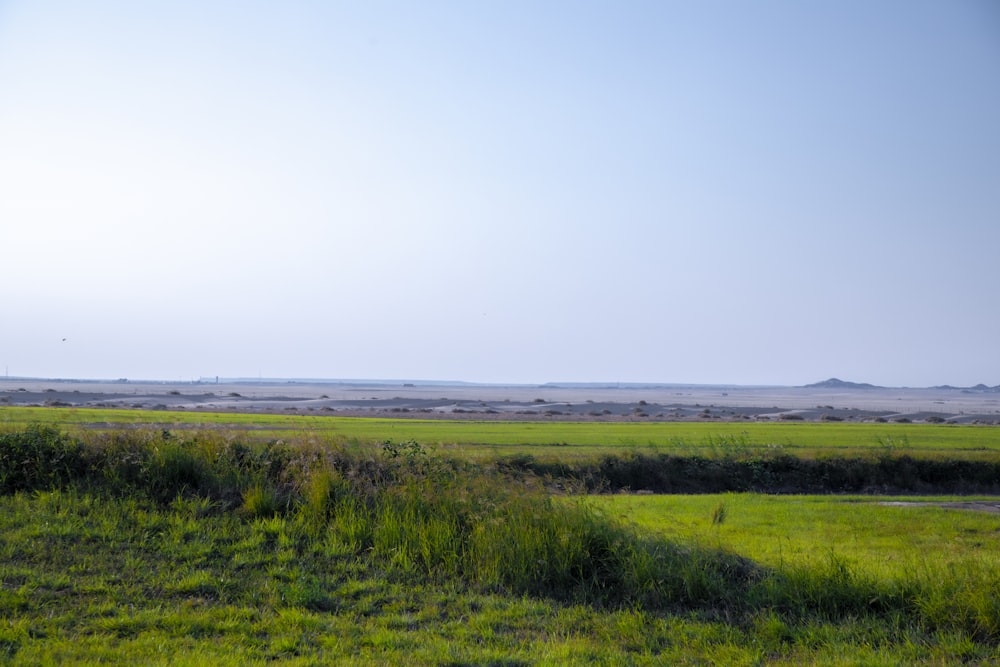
678, 192
207, 380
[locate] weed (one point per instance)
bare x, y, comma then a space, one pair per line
719, 514
409, 449
260, 502
890, 445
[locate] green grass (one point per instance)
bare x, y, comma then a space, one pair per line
563, 440
87, 579
158, 547
778, 531
946, 560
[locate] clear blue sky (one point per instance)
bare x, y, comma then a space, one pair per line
769, 192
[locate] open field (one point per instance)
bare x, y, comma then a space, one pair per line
140, 546
882, 537
561, 439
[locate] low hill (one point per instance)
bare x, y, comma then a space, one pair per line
834, 383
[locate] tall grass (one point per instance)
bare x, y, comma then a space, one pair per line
430, 519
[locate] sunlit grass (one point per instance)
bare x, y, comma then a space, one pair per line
882, 540
944, 562
564, 440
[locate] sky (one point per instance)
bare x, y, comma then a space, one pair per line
769, 192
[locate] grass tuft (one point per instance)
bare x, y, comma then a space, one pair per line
719, 514
260, 502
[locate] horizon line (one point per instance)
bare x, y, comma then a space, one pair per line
832, 383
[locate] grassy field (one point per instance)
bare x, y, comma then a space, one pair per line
160, 546
87, 579
861, 533
563, 440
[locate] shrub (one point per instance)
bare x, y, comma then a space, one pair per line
40, 457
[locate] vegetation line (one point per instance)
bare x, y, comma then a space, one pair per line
884, 473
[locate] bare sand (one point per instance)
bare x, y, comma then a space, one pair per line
520, 402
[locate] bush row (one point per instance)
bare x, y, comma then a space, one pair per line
666, 473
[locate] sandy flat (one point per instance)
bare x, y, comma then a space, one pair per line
468, 401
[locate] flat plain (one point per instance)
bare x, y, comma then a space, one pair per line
519, 402
178, 532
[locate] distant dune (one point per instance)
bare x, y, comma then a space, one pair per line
830, 400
